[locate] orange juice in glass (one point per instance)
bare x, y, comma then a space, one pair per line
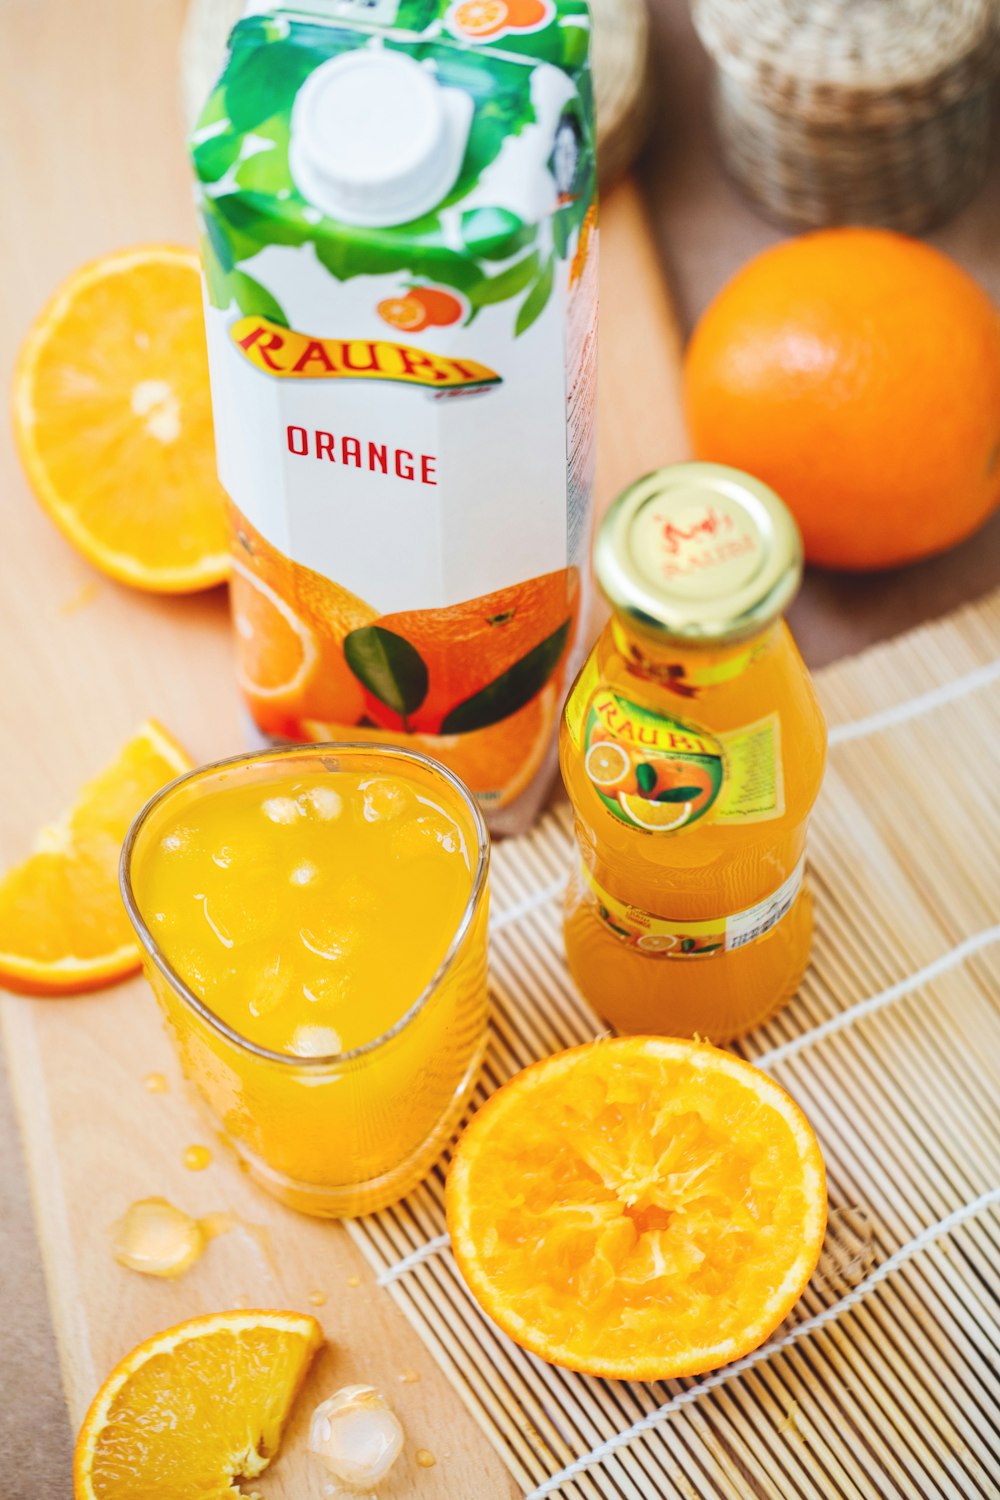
314, 925
692, 748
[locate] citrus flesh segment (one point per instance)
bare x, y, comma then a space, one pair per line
63, 926
114, 423
195, 1408
638, 1208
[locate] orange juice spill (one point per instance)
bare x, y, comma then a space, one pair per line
317, 1299
155, 1083
425, 1458
409, 1377
197, 1158
692, 749
309, 910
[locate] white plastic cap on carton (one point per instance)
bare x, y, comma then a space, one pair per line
375, 140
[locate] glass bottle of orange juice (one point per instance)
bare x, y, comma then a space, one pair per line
692, 748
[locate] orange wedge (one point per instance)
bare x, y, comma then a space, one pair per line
277, 650
114, 422
63, 926
639, 1208
195, 1408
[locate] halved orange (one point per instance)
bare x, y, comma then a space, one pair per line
113, 420
63, 927
638, 1208
277, 650
195, 1408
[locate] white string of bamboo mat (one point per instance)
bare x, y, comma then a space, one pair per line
740, 1366
912, 708
767, 1060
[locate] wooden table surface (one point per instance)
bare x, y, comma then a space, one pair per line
96, 162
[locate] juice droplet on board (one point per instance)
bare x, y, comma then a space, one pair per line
425, 1458
317, 1298
154, 1237
356, 1435
197, 1158
354, 1281
409, 1377
155, 1083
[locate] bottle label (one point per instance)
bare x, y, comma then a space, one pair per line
661, 774
662, 937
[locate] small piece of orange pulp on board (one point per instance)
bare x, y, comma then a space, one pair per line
638, 1208
63, 926
195, 1408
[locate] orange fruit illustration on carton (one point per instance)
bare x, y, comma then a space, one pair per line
421, 307
290, 627
467, 666
477, 18
497, 762
482, 20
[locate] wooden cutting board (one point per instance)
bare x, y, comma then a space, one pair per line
103, 166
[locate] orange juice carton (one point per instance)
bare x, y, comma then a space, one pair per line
399, 213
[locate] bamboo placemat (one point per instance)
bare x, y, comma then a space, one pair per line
884, 1381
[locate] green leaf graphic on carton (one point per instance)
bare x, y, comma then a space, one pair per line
213, 157
534, 303
494, 233
236, 286
390, 668
511, 690
245, 130
347, 252
263, 81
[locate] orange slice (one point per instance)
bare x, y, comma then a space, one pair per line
638, 1208
657, 817
607, 763
277, 650
114, 422
195, 1408
63, 927
480, 17
405, 313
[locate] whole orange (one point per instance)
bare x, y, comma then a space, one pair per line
857, 372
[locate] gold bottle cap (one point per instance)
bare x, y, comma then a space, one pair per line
698, 552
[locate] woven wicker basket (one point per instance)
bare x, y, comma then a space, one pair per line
853, 111
620, 62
